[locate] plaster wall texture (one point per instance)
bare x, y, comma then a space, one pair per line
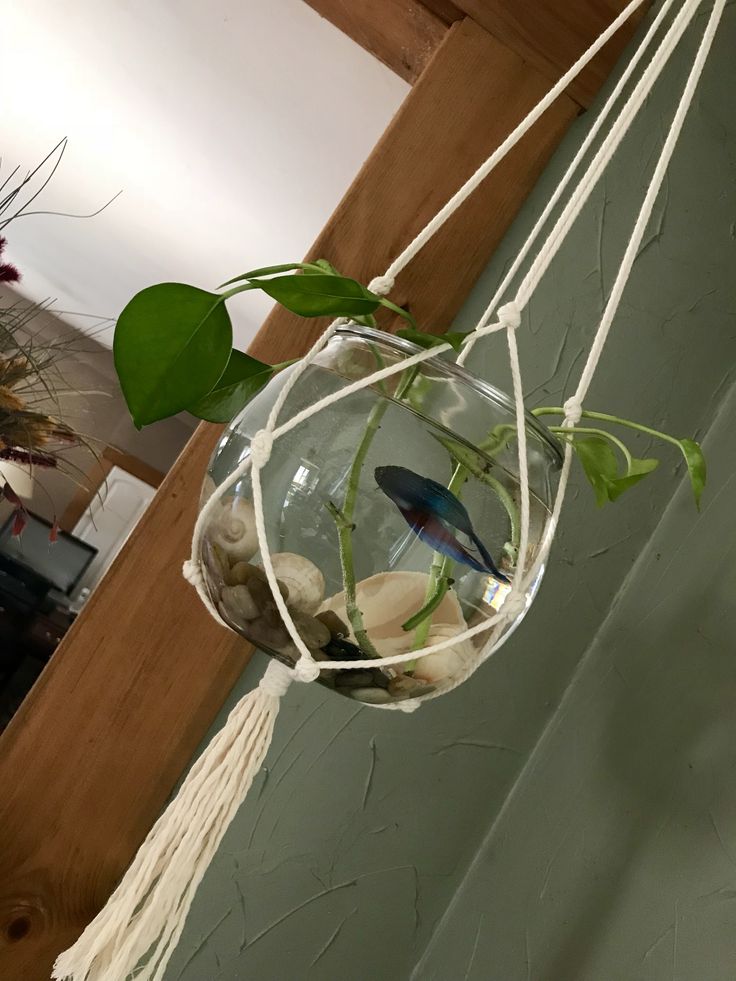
543, 821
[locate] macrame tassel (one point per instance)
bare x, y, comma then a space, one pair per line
145, 916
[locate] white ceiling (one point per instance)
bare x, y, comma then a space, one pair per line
232, 126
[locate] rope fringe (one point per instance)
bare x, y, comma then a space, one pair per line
145, 915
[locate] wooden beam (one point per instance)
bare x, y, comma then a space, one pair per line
98, 746
446, 10
551, 35
403, 34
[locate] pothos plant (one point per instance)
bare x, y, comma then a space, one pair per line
174, 351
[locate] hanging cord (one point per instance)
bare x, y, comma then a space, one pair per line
586, 184
433, 226
574, 405
474, 336
509, 318
145, 916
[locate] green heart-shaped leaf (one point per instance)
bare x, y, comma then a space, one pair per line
242, 378
421, 339
320, 295
172, 344
696, 466
599, 463
638, 470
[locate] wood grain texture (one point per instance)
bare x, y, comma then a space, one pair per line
446, 10
96, 477
403, 34
551, 35
457, 113
96, 749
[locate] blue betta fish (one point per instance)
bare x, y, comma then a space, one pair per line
429, 508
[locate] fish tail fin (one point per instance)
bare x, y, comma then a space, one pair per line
490, 564
438, 537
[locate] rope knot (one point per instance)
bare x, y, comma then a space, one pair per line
573, 410
306, 669
381, 285
276, 680
514, 605
510, 314
192, 572
260, 447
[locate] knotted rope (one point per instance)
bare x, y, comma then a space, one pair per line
145, 916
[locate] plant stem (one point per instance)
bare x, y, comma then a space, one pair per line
345, 539
438, 581
344, 518
587, 431
399, 310
604, 417
511, 510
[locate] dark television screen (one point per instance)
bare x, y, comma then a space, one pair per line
61, 563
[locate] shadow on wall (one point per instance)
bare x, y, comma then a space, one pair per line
616, 857
668, 756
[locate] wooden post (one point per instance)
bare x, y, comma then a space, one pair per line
98, 746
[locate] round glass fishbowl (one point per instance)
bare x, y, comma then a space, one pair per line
392, 517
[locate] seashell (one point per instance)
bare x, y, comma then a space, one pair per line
371, 696
215, 563
447, 665
302, 578
233, 529
387, 600
239, 603
244, 572
405, 686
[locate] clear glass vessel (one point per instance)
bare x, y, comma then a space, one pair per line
392, 517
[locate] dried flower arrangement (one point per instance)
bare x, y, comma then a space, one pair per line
34, 432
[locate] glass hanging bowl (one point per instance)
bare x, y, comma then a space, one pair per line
357, 495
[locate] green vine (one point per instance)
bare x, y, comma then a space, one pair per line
173, 352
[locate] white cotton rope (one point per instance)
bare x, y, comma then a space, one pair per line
508, 144
139, 927
481, 329
145, 915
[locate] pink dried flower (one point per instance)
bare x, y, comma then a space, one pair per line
8, 272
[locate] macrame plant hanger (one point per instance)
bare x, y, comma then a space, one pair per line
138, 929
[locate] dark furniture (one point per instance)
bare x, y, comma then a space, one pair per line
37, 578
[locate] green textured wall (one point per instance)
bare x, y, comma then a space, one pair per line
525, 826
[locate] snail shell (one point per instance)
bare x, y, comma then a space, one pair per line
233, 529
302, 578
445, 665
